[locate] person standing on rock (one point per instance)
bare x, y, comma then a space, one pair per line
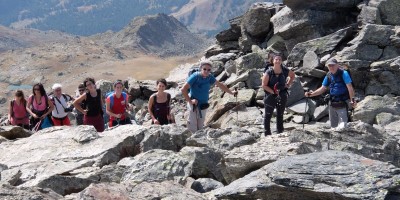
93, 112
199, 84
275, 82
116, 106
39, 106
341, 91
159, 104
18, 115
60, 100
79, 115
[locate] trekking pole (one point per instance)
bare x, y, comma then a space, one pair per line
305, 112
237, 108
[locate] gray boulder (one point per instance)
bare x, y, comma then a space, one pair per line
203, 185
320, 112
219, 106
14, 193
169, 137
388, 10
144, 190
369, 15
134, 89
223, 140
256, 21
322, 175
105, 86
303, 106
223, 57
320, 46
249, 61
296, 92
371, 106
155, 166
254, 79
148, 87
231, 34
222, 47
240, 116
321, 5
384, 119
14, 132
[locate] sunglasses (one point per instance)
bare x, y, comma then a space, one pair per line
208, 70
81, 90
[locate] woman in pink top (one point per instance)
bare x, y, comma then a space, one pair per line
17, 115
39, 105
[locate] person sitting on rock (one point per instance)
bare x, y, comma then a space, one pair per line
275, 82
159, 104
39, 106
116, 106
199, 84
93, 110
60, 101
341, 91
18, 115
79, 115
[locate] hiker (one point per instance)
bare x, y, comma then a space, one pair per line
93, 112
275, 81
18, 115
60, 101
199, 84
341, 94
116, 106
79, 115
39, 107
159, 104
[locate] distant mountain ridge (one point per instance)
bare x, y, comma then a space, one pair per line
96, 16
155, 34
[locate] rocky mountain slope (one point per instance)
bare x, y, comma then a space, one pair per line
97, 16
230, 159
157, 34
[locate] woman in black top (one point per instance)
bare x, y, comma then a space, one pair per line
93, 104
159, 104
275, 83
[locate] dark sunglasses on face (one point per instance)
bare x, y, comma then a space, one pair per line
81, 90
208, 70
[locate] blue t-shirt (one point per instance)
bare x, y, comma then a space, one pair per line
200, 87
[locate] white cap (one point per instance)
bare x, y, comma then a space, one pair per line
56, 85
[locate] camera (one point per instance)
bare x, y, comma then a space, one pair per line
69, 109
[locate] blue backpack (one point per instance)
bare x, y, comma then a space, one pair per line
111, 95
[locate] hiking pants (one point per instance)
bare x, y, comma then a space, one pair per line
195, 121
270, 103
337, 116
96, 121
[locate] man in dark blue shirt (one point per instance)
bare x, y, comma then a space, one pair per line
341, 92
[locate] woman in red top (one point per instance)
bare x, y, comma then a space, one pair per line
116, 105
17, 115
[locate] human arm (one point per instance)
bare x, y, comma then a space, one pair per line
291, 77
150, 109
351, 94
225, 88
317, 92
10, 111
264, 82
28, 107
51, 108
77, 104
185, 93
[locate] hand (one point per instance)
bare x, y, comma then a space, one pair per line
118, 116
43, 116
287, 85
235, 93
308, 94
84, 112
353, 103
35, 116
193, 102
155, 121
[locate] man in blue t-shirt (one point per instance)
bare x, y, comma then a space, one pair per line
199, 84
341, 92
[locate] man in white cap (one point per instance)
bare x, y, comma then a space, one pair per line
341, 93
60, 113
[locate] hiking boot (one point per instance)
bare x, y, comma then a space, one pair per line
267, 133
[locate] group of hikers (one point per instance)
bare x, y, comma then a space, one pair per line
41, 111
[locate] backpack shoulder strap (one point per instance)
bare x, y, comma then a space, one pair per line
12, 107
111, 96
285, 71
168, 98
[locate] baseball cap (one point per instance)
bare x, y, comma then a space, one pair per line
331, 61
